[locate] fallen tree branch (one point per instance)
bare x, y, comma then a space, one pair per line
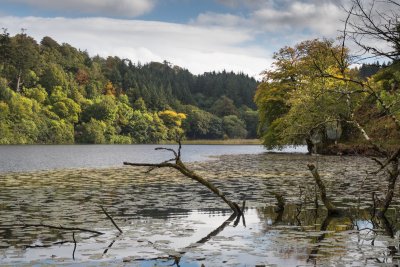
178, 165
111, 219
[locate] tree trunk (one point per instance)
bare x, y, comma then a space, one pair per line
310, 146
18, 82
328, 204
393, 174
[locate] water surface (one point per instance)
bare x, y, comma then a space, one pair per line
166, 217
46, 157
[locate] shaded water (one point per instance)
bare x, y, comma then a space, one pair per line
166, 216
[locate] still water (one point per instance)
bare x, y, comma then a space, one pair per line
170, 220
47, 157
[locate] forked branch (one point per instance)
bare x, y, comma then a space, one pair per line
181, 167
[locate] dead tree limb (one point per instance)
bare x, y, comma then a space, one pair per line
393, 172
280, 202
178, 165
73, 252
111, 219
322, 189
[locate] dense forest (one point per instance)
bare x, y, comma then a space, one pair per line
53, 93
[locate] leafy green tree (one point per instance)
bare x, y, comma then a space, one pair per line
234, 127
56, 132
202, 124
224, 106
173, 121
145, 127
5, 49
37, 93
92, 132
64, 107
250, 117
6, 135
53, 76
139, 104
295, 102
103, 108
24, 57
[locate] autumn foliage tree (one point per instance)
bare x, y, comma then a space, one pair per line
296, 104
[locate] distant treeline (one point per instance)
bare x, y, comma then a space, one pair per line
53, 93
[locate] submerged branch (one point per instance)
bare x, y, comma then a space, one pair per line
328, 204
73, 252
111, 219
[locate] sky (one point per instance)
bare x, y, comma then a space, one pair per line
199, 35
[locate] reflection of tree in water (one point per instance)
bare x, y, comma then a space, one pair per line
234, 218
322, 238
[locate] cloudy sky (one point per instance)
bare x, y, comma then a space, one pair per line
200, 35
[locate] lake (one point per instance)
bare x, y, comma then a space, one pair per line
17, 158
168, 219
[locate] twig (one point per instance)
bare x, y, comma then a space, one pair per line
111, 219
61, 228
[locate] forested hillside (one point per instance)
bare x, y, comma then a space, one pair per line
53, 93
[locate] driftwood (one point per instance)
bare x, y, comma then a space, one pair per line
176, 163
322, 189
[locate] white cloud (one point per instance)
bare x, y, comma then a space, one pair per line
277, 23
217, 19
246, 3
126, 8
324, 18
197, 48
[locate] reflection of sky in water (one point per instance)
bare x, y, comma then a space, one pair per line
164, 213
257, 243
47, 157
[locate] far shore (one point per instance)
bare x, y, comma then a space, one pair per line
219, 142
